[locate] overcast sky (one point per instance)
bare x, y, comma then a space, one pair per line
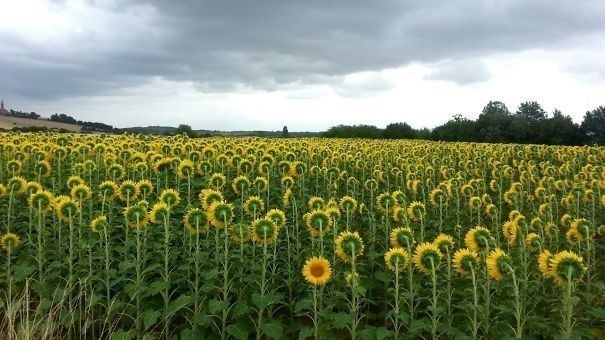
243, 65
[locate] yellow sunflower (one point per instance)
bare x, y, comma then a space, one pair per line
397, 259
317, 271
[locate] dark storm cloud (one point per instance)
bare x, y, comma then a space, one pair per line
225, 45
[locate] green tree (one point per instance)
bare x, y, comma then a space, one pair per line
531, 110
284, 132
593, 126
186, 129
399, 131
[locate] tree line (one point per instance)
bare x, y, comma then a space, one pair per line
529, 124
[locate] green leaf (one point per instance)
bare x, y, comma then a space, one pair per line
122, 335
305, 332
241, 309
303, 305
202, 319
215, 306
261, 302
150, 317
174, 306
341, 320
273, 329
155, 288
238, 331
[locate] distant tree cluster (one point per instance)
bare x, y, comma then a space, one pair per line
86, 126
21, 114
496, 124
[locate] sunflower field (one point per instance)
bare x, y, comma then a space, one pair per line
134, 236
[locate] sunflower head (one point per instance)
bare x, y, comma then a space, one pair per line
99, 224
478, 239
170, 197
9, 241
128, 191
219, 213
402, 237
349, 245
208, 197
253, 206
427, 257
416, 211
397, 259
159, 213
510, 230
318, 222
286, 199
42, 200
66, 208
573, 236
544, 263
277, 216
438, 197
287, 182
385, 202
239, 233
186, 169
533, 241
195, 221
583, 226
317, 271
551, 230
567, 266
566, 220
81, 192
347, 204
16, 185
498, 264
465, 260
316, 203
30, 189
108, 189
218, 180
445, 243
136, 216
241, 185
474, 203
145, 187
264, 231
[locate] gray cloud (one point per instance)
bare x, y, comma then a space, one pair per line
225, 45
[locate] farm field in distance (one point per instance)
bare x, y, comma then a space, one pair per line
138, 236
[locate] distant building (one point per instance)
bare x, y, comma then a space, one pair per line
3, 111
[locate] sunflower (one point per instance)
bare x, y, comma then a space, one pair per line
317, 222
402, 237
437, 197
496, 262
397, 259
510, 230
416, 211
583, 226
544, 263
426, 257
551, 229
465, 260
81, 192
159, 212
43, 168
533, 241
99, 224
566, 220
261, 184
31, 188
474, 203
128, 191
385, 202
573, 236
287, 197
277, 216
511, 197
399, 214
108, 189
3, 190
287, 182
491, 210
347, 204
567, 266
66, 208
240, 185
253, 206
349, 245
239, 233
477, 239
195, 221
218, 180
444, 242
16, 185
10, 241
136, 216
209, 196
162, 164
317, 271
219, 213
145, 187
186, 169
42, 200
316, 203
170, 197
264, 231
